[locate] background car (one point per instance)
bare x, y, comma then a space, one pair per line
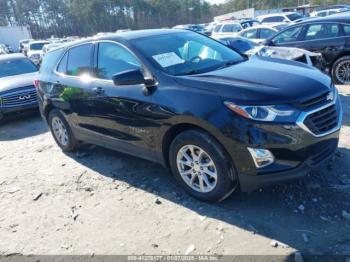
251, 48
328, 12
287, 17
328, 35
35, 50
258, 33
227, 29
17, 91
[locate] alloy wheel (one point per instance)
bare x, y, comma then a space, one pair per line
60, 131
342, 72
197, 168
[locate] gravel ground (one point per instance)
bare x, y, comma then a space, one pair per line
98, 201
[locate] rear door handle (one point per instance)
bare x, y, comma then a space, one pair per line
98, 90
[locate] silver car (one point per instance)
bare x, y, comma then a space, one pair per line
17, 90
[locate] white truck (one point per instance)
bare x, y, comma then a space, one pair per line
11, 35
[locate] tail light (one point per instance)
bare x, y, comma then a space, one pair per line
36, 83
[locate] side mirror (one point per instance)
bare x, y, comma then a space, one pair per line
286, 21
129, 77
267, 42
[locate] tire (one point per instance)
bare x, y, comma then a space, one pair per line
68, 143
212, 189
337, 67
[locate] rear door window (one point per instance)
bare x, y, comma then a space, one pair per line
322, 31
346, 29
79, 60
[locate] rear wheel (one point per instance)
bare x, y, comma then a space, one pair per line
341, 71
201, 166
61, 131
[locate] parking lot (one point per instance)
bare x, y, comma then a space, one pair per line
97, 201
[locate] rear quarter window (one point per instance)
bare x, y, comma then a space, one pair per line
49, 61
346, 29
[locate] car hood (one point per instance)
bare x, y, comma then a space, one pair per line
263, 81
17, 81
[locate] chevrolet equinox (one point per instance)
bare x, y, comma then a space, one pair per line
218, 120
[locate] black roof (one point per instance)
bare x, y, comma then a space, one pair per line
340, 18
130, 35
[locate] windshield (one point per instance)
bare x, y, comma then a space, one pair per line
293, 17
16, 67
186, 53
37, 46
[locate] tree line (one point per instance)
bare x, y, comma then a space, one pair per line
86, 17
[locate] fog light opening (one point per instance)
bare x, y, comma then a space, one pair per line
261, 157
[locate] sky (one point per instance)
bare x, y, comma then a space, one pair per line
216, 1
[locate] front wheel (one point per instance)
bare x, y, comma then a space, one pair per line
202, 166
341, 71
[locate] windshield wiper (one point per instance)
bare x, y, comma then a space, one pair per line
229, 63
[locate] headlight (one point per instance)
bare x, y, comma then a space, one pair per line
279, 113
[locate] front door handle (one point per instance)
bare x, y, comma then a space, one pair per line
98, 90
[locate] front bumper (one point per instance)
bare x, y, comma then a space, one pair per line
296, 149
18, 109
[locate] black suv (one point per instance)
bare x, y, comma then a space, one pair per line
329, 36
218, 120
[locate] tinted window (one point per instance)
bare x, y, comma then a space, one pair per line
250, 33
273, 19
321, 31
185, 53
113, 59
346, 29
293, 17
16, 67
231, 28
37, 46
217, 28
322, 14
49, 61
79, 60
289, 35
62, 67
241, 45
266, 33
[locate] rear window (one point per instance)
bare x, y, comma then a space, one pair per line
231, 28
79, 60
273, 19
16, 67
37, 46
293, 17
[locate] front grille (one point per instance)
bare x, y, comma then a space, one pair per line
21, 97
316, 101
322, 121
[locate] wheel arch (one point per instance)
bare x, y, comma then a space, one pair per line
176, 129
